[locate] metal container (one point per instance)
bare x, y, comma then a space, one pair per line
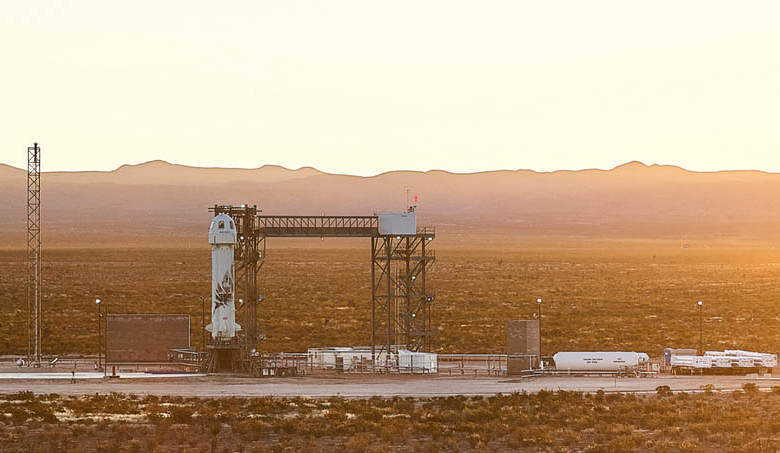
398, 223
417, 362
669, 352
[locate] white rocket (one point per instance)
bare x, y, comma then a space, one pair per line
222, 237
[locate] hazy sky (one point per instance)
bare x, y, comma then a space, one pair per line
363, 87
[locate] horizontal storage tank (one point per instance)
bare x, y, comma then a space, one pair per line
595, 361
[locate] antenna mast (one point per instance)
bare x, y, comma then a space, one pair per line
34, 255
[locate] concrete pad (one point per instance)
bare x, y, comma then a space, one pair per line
361, 386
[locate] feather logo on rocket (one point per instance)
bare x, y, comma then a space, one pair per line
223, 295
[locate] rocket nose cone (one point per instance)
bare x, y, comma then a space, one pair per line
222, 230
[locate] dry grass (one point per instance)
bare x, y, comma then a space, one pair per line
559, 422
606, 295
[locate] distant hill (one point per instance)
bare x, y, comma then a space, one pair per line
157, 199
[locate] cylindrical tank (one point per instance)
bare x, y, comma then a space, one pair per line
222, 237
595, 361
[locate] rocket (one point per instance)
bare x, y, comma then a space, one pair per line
222, 237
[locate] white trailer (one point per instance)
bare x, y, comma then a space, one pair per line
598, 361
723, 362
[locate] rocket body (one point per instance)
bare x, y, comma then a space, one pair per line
222, 237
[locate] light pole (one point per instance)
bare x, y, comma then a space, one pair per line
203, 322
539, 315
105, 343
100, 340
701, 328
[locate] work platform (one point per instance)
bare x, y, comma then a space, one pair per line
400, 297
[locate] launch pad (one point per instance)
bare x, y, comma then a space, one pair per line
400, 299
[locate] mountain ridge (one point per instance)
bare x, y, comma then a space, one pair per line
634, 199
159, 164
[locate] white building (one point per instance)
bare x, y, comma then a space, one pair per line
417, 362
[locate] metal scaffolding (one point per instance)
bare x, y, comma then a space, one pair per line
400, 305
34, 255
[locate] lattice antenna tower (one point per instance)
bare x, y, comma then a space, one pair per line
34, 255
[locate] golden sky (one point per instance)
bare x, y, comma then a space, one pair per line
363, 87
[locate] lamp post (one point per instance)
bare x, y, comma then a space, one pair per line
100, 340
105, 342
539, 315
203, 322
701, 328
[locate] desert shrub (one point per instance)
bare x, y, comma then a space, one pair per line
750, 388
690, 446
181, 414
359, 443
19, 415
24, 395
663, 390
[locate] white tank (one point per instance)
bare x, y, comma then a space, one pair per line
595, 361
222, 237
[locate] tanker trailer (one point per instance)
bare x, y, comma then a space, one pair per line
596, 361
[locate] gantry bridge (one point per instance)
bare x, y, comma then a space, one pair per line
400, 296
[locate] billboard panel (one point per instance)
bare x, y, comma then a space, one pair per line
138, 338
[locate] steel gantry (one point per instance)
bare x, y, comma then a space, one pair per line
400, 300
249, 256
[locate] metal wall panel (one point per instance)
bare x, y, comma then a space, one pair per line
138, 338
522, 337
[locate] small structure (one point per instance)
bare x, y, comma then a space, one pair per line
346, 359
399, 223
417, 362
522, 346
669, 352
279, 365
